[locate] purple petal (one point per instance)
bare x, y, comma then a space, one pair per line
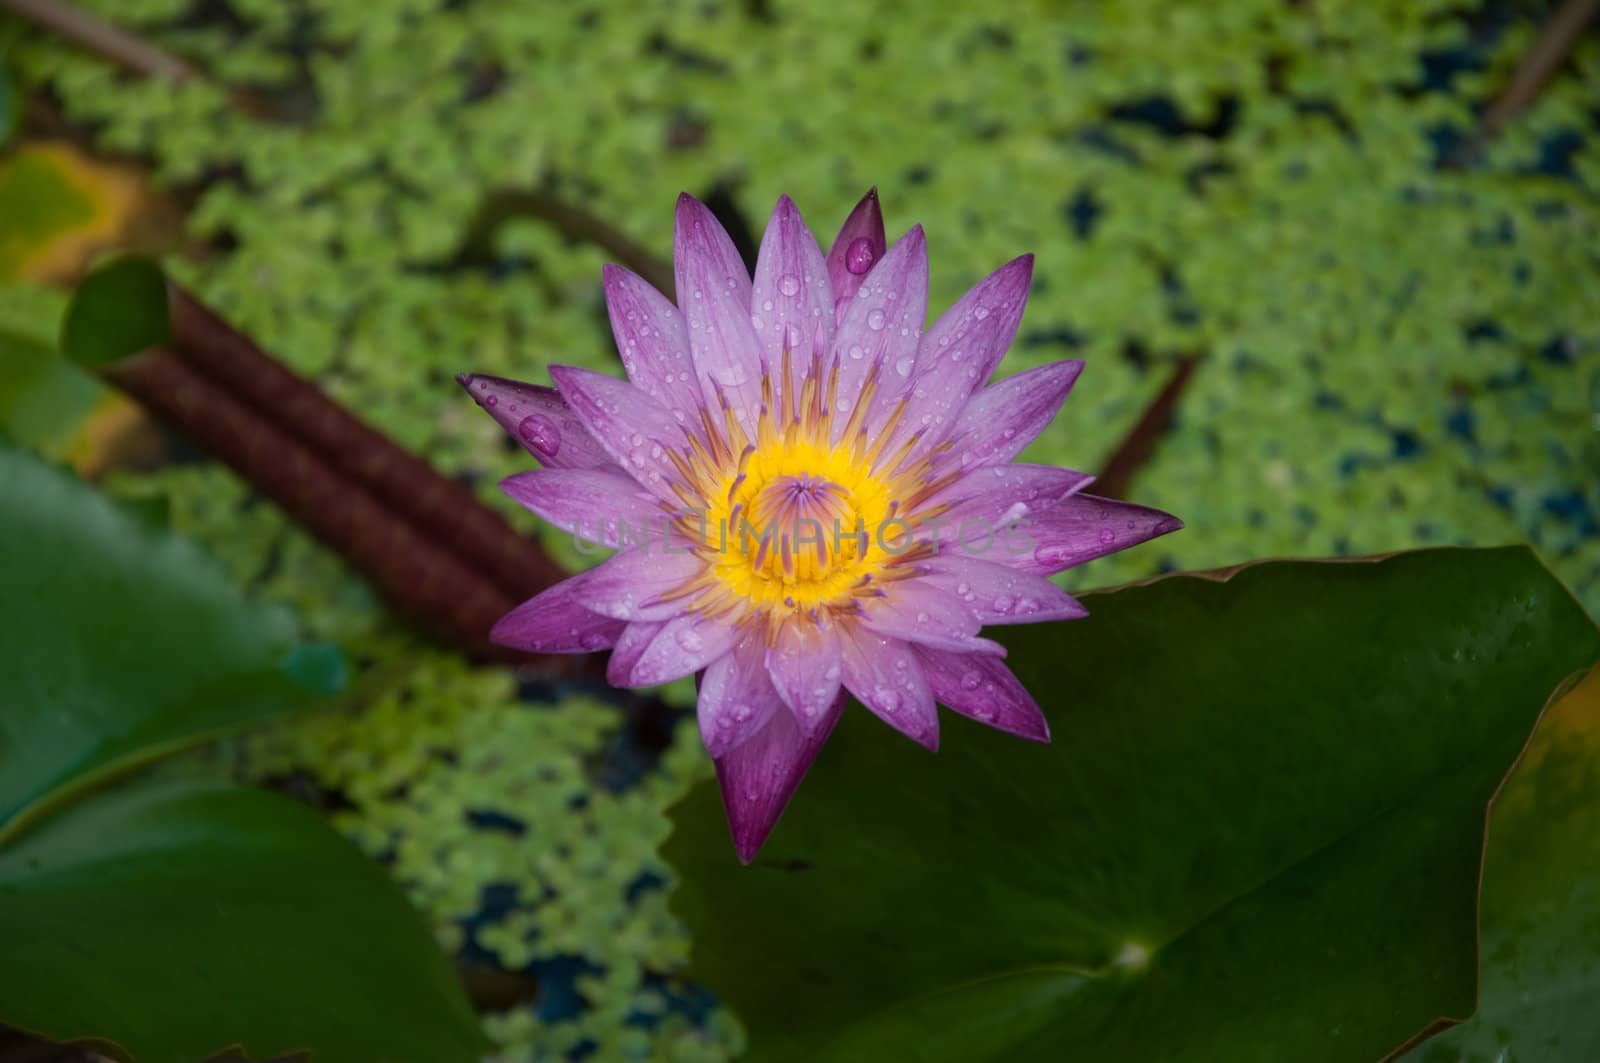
883, 323
651, 339
736, 697
985, 690
999, 595
539, 419
1082, 528
760, 776
989, 499
628, 585
805, 668
594, 505
714, 295
554, 621
792, 302
886, 676
1000, 421
634, 429
630, 646
960, 352
917, 611
857, 248
685, 644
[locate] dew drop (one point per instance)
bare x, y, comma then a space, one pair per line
903, 366
1003, 604
690, 639
1108, 536
981, 313
857, 352
858, 256
875, 320
789, 284
492, 400
971, 681
540, 432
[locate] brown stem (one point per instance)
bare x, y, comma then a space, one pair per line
1555, 42
1140, 442
424, 581
96, 35
439, 508
577, 223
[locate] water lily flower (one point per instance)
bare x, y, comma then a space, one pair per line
811, 497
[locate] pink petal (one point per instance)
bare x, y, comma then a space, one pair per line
633, 428
989, 499
805, 667
736, 696
539, 419
628, 585
857, 248
883, 323
792, 302
594, 505
985, 690
1000, 421
759, 777
684, 645
960, 352
554, 621
999, 595
651, 339
714, 295
916, 611
886, 676
630, 646
1082, 528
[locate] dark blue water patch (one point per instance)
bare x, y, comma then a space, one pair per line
488, 819
559, 997
1558, 351
647, 882
1462, 424
1058, 336
1162, 114
1082, 211
1502, 496
1483, 330
1557, 153
1407, 444
1573, 508
1099, 139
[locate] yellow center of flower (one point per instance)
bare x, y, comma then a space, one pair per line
800, 525
808, 516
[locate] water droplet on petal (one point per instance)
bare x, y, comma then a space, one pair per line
1108, 536
903, 365
858, 256
875, 320
971, 680
1003, 604
981, 313
541, 433
492, 400
789, 284
690, 639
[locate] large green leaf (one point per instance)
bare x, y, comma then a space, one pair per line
1540, 920
121, 642
175, 920
1256, 836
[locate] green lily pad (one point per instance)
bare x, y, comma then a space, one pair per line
1540, 919
1256, 836
122, 642
177, 920
172, 921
